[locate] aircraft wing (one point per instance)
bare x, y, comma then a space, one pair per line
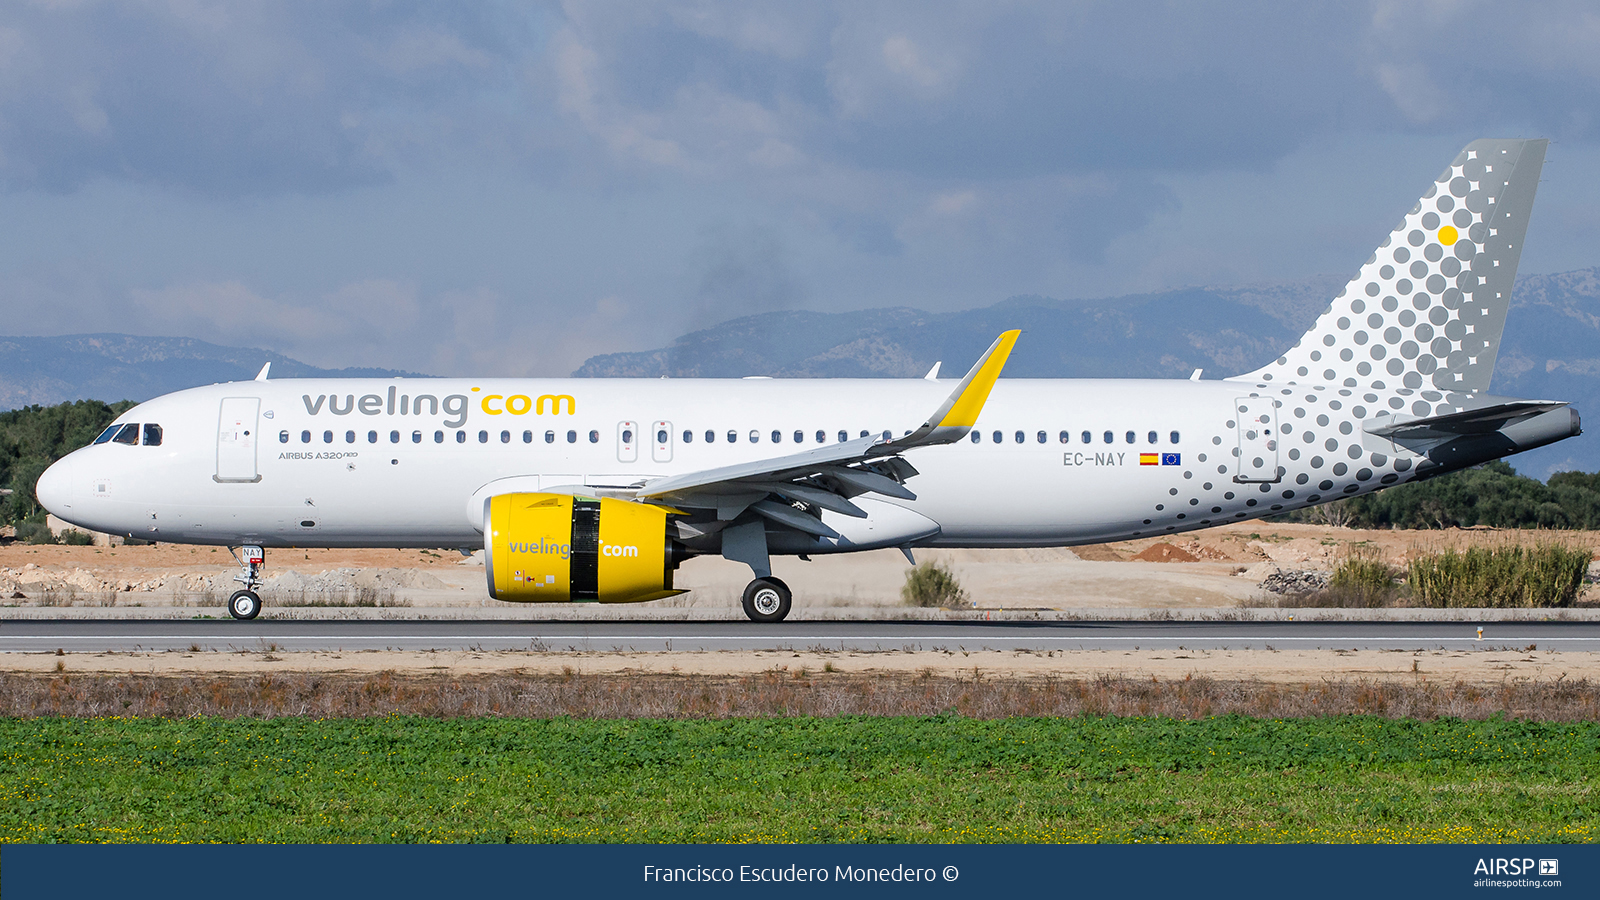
827, 477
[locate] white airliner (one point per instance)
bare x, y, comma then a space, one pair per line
595, 490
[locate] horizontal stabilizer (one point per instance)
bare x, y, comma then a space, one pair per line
1486, 420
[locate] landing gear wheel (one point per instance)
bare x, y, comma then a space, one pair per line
767, 600
246, 605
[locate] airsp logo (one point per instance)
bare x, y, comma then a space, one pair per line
1501, 866
1549, 867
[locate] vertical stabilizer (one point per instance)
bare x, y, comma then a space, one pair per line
1429, 306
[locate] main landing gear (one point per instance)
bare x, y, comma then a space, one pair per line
767, 600
246, 604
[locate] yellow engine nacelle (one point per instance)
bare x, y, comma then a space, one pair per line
558, 548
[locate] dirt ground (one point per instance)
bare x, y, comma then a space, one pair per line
1220, 567
1278, 666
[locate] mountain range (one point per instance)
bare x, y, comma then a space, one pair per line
111, 367
1550, 350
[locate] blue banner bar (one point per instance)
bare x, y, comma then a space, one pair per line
127, 872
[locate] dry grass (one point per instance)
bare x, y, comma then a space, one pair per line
776, 694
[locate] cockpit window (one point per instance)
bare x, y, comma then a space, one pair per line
128, 434
108, 434
152, 435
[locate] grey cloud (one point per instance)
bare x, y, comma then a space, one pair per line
741, 272
1101, 215
230, 99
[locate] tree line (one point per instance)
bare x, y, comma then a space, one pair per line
1492, 494
33, 437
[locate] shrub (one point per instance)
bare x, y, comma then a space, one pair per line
35, 531
1363, 579
933, 584
75, 538
1505, 577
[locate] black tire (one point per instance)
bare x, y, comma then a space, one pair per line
244, 605
767, 600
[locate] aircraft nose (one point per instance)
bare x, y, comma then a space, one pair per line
54, 488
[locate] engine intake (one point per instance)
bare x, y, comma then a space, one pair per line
556, 548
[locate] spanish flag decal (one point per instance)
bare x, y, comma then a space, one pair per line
1149, 459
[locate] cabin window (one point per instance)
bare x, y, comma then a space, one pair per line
627, 435
1043, 437
977, 437
483, 437
1087, 438
572, 437
822, 436
688, 436
594, 437
505, 437
372, 437
416, 437
799, 437
711, 436
865, 432
843, 435
661, 436
733, 437
461, 437
108, 434
305, 437
327, 437
1173, 437
527, 437
349, 437
152, 435
998, 437
438, 437
1130, 437
549, 437
1109, 438
888, 435
1021, 438
394, 437
1151, 438
777, 436
1066, 437
283, 437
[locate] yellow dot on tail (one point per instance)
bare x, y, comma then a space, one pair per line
1448, 235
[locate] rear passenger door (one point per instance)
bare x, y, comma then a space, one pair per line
1258, 440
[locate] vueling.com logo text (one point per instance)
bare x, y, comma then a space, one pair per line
452, 405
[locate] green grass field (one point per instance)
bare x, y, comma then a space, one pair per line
1338, 779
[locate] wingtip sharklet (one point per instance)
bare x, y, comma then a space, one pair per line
964, 405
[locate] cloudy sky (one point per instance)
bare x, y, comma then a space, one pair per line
509, 189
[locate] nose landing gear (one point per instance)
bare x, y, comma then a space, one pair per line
246, 604
767, 600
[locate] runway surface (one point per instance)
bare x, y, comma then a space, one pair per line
98, 636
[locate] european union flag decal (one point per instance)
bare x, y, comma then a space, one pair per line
1172, 459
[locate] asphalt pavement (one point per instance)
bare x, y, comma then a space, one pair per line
124, 635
